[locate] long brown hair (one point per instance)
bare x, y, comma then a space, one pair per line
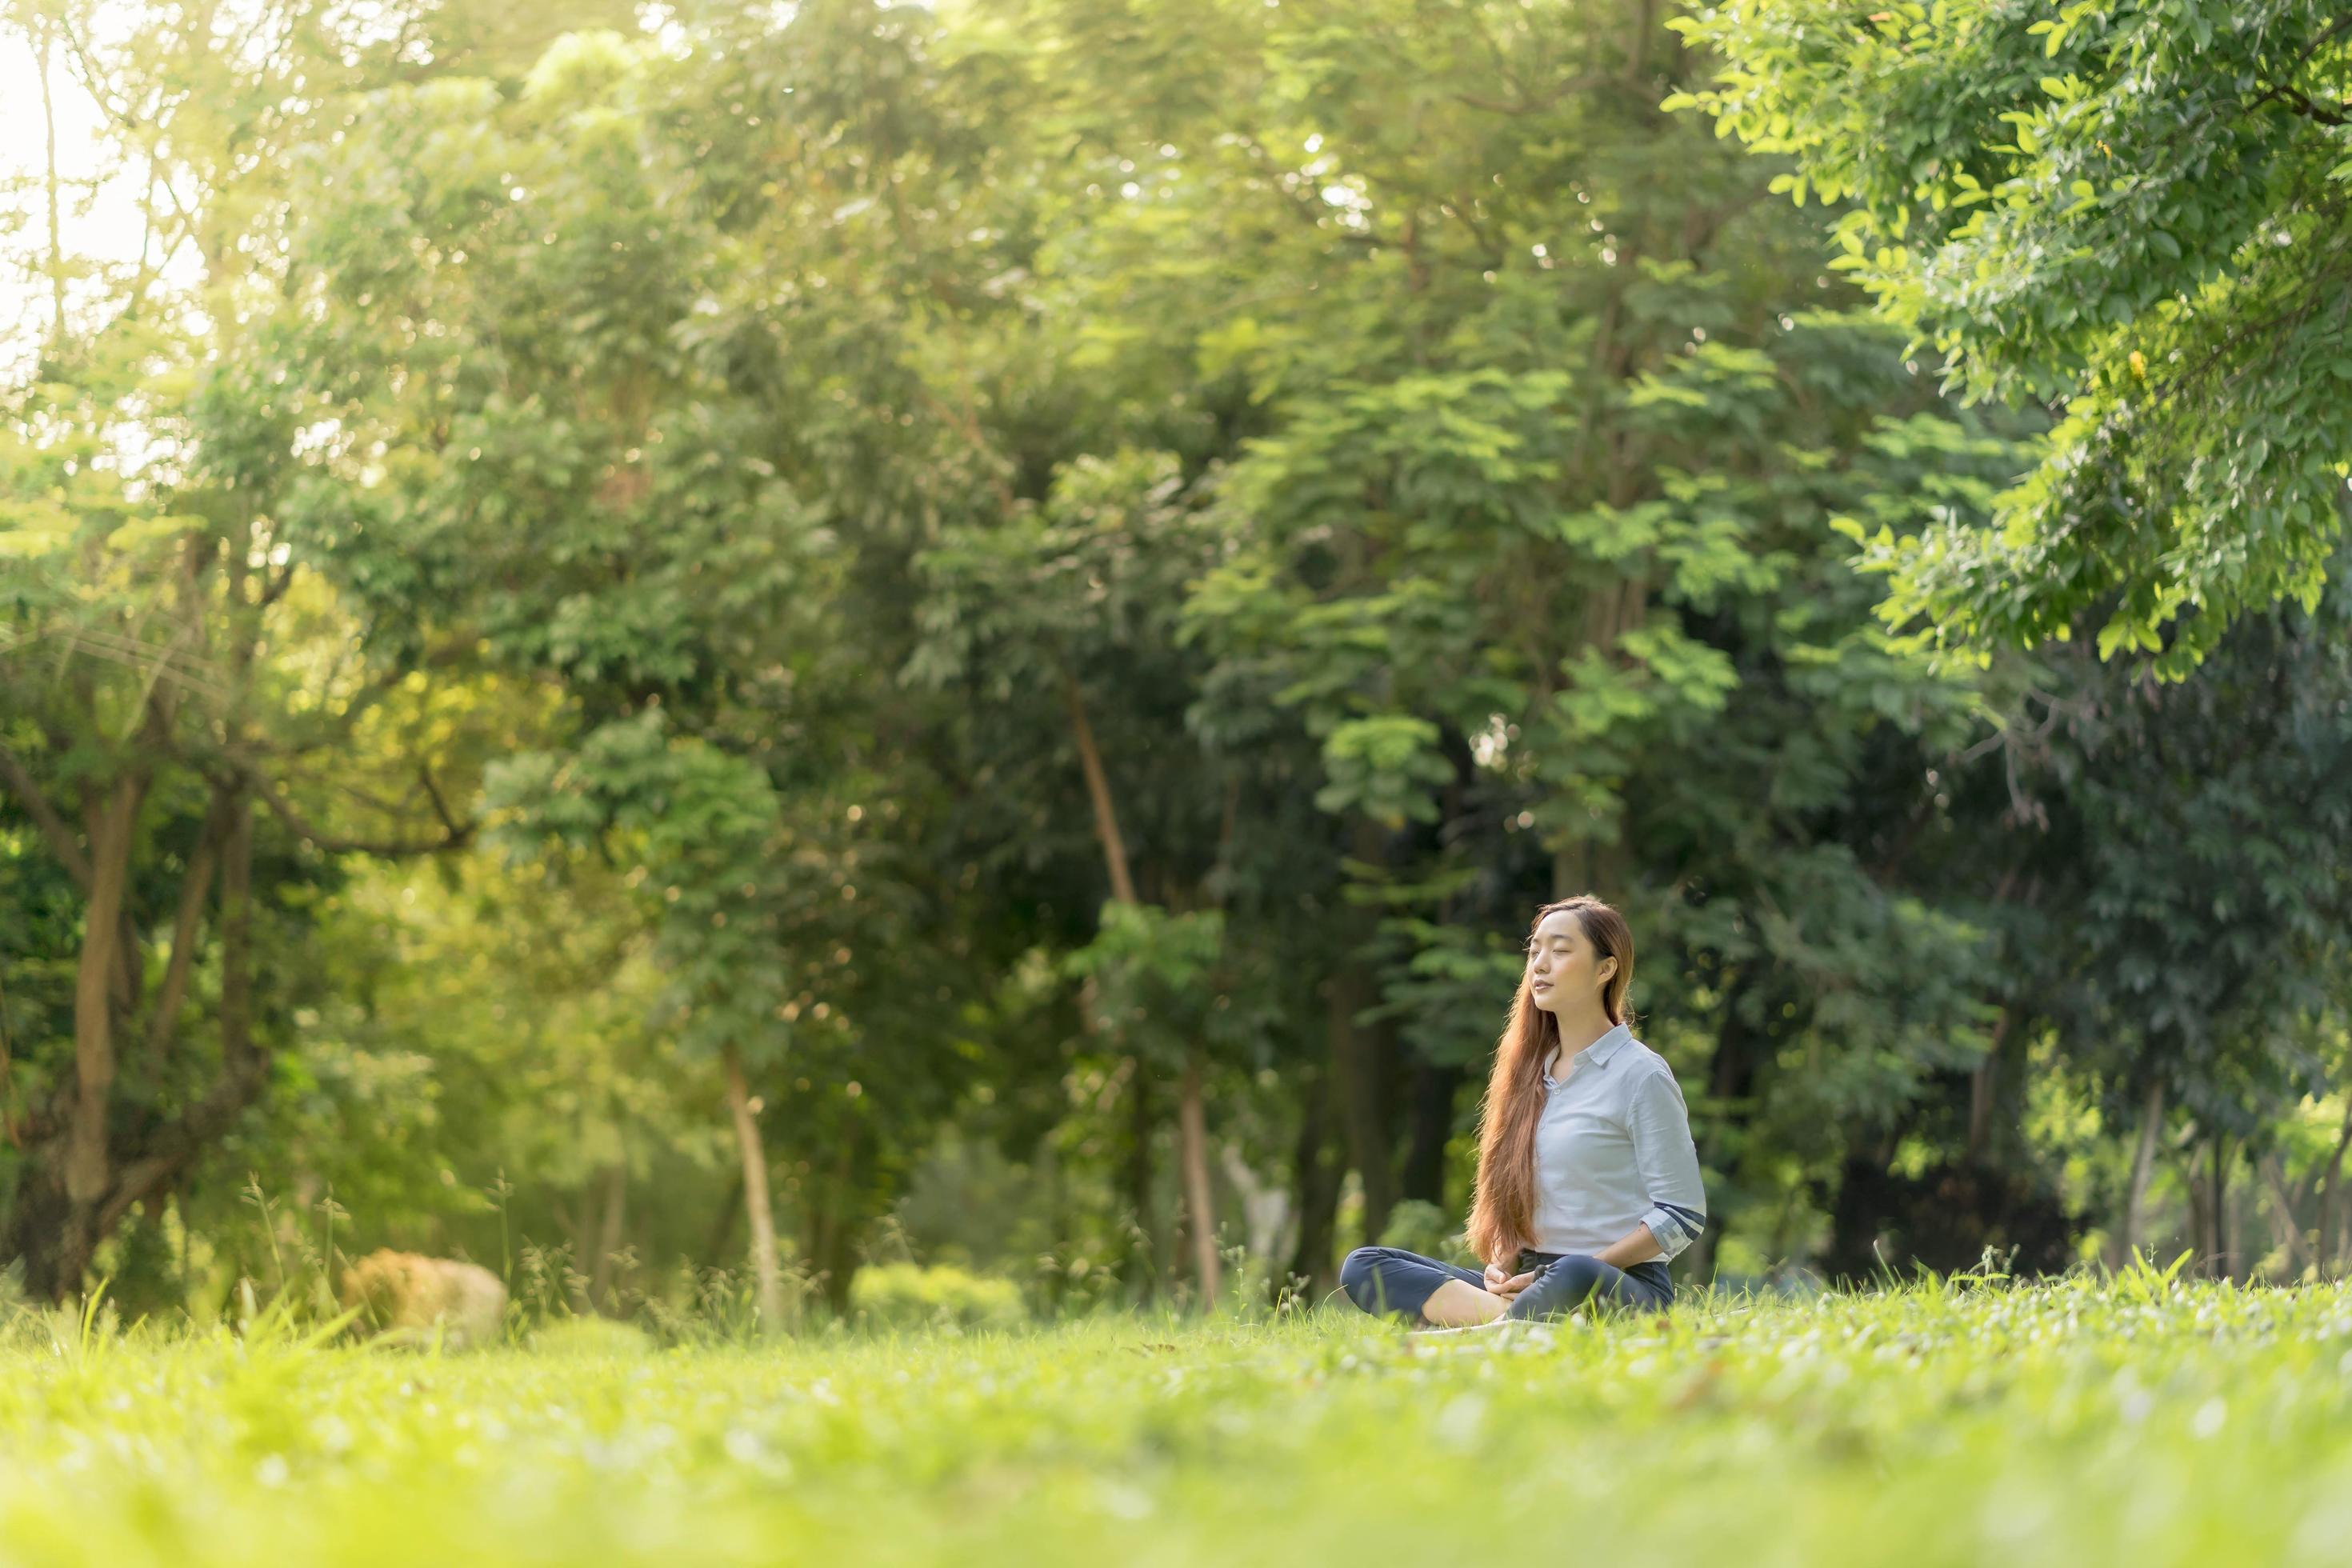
1503, 1212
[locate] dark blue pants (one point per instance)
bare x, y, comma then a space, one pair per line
1390, 1282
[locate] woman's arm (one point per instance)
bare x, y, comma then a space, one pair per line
1636, 1246
1668, 1162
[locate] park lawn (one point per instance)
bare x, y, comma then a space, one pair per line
2076, 1422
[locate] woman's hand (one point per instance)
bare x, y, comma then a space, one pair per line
1506, 1285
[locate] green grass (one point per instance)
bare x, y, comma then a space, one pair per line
2078, 1422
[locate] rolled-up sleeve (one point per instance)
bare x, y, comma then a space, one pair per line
1668, 1162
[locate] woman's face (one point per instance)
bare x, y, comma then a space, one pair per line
1563, 972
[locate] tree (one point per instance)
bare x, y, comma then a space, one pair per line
1042, 605
1069, 573
1538, 426
178, 675
2188, 844
2132, 215
564, 410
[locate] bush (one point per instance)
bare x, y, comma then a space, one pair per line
908, 1296
1423, 1227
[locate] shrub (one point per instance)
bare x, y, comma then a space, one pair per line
1419, 1226
908, 1296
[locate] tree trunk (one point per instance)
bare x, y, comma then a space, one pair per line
56, 1253
237, 1054
1730, 1078
723, 1228
2151, 1125
1356, 1069
86, 1163
1730, 1074
840, 1221
195, 890
1637, 46
2298, 1251
1984, 1086
2329, 1242
1045, 1165
834, 1258
56, 235
767, 1278
163, 1154
1318, 1175
1589, 865
2201, 1234
1429, 1128
608, 1239
1143, 1250
1106, 832
1265, 1206
2225, 1251
1200, 1211
1193, 1138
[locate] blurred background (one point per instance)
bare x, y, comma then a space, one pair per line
832, 658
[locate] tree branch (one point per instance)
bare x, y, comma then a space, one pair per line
44, 815
274, 586
2298, 102
243, 1069
2291, 97
338, 727
456, 836
91, 80
195, 888
449, 823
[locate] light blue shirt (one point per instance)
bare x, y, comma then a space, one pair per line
1613, 1150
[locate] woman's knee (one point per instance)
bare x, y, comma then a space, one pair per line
1575, 1277
1357, 1273
1562, 1288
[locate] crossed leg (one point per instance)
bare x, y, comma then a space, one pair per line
1388, 1282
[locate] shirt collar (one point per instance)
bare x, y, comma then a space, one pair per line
1610, 1043
1598, 1051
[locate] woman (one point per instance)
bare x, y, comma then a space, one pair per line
1588, 1179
